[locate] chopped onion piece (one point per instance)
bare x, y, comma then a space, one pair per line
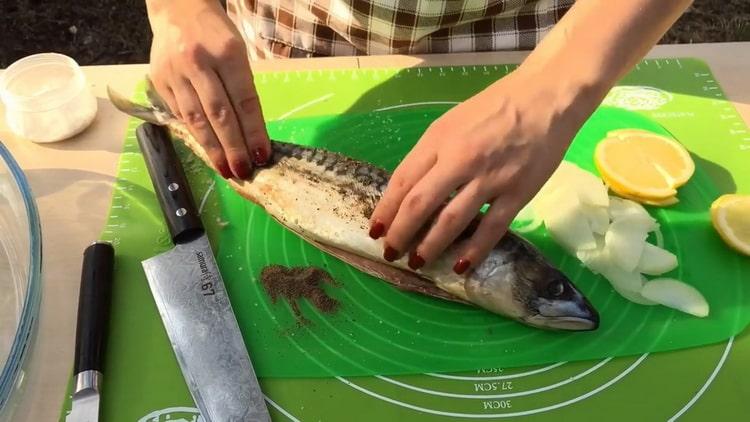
625, 241
655, 260
624, 280
659, 238
598, 218
621, 208
597, 260
635, 297
526, 214
566, 224
677, 295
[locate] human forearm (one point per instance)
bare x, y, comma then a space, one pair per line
597, 42
154, 7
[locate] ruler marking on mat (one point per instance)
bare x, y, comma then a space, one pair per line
602, 387
416, 104
707, 383
205, 197
281, 409
499, 377
305, 105
566, 381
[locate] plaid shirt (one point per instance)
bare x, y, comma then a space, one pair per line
293, 28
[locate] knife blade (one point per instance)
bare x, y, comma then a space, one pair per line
189, 293
91, 331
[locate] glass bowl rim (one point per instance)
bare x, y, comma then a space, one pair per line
25, 331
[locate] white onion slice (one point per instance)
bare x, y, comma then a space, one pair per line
655, 260
659, 238
625, 208
598, 218
565, 223
625, 241
677, 295
590, 189
635, 297
623, 280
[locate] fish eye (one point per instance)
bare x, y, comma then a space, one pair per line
556, 288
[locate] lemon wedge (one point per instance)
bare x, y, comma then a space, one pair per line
730, 215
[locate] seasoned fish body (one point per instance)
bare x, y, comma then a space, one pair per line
327, 198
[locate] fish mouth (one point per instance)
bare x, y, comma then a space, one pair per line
568, 315
564, 323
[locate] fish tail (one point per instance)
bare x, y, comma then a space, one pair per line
156, 100
157, 112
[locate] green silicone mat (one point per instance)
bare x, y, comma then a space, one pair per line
389, 108
382, 331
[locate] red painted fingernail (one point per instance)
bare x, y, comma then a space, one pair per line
224, 170
260, 157
390, 254
377, 230
242, 170
415, 261
461, 266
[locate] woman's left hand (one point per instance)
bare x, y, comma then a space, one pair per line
498, 147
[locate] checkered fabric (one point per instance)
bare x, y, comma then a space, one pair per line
296, 28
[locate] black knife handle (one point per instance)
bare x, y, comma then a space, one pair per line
93, 306
170, 183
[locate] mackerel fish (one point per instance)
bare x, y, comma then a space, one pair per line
327, 198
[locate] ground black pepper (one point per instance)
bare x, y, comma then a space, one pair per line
294, 283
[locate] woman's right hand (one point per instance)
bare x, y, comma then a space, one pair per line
200, 67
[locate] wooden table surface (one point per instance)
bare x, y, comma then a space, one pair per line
72, 181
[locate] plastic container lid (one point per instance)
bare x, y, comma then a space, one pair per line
46, 97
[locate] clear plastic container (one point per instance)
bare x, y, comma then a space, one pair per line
46, 98
20, 280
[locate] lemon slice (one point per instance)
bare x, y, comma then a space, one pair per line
662, 202
624, 133
642, 164
730, 215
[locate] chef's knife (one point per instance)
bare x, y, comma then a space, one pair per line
189, 292
91, 331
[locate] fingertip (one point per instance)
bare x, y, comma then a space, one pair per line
377, 229
260, 156
223, 169
241, 168
220, 164
415, 260
390, 254
462, 264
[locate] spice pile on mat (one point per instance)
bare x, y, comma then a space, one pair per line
294, 283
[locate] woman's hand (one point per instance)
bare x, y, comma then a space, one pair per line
499, 147
199, 65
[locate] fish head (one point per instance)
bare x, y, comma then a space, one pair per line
516, 280
554, 302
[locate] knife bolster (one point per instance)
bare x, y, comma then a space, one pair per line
88, 380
